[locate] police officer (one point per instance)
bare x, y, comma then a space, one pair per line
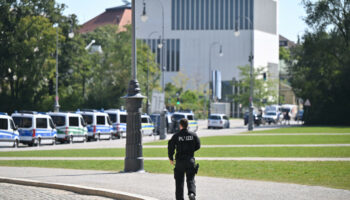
185, 143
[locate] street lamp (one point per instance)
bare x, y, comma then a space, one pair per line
210, 91
251, 57
144, 18
133, 153
70, 35
147, 88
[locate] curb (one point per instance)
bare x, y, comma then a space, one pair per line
78, 189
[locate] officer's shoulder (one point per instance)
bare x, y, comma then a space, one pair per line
192, 133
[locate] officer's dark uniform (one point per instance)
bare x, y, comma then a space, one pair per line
185, 143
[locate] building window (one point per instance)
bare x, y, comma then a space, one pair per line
171, 60
211, 14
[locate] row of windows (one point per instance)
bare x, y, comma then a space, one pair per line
171, 60
211, 14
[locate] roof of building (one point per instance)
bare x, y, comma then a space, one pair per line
284, 42
120, 16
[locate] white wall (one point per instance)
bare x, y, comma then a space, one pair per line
194, 45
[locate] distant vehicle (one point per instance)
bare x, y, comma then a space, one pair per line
71, 127
299, 116
272, 117
257, 118
177, 116
291, 109
8, 131
98, 124
218, 121
35, 128
118, 118
147, 126
168, 123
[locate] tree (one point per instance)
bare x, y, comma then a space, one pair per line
322, 69
265, 91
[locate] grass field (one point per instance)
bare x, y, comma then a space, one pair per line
308, 129
330, 174
203, 152
270, 139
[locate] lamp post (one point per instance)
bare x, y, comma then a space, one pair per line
144, 18
251, 57
70, 35
147, 88
133, 154
210, 91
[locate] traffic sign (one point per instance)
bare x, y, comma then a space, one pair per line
307, 103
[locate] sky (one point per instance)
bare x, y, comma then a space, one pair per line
290, 19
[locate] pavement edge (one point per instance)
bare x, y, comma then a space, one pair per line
78, 189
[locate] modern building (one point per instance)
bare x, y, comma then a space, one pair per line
120, 16
194, 30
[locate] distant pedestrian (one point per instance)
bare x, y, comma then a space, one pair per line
286, 117
185, 143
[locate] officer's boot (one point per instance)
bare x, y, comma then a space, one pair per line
192, 196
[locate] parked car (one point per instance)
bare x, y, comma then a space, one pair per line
71, 127
218, 121
99, 125
147, 126
118, 118
35, 128
272, 117
168, 123
257, 118
299, 115
177, 116
8, 131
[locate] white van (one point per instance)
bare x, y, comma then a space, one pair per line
99, 125
118, 118
192, 123
71, 127
147, 126
35, 128
8, 131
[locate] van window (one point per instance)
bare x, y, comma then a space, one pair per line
52, 125
101, 120
225, 118
113, 117
144, 120
41, 122
178, 117
23, 122
4, 124
59, 120
190, 117
73, 121
88, 119
122, 118
214, 117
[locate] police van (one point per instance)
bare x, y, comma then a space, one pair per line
99, 125
147, 126
8, 131
35, 128
192, 123
71, 127
118, 118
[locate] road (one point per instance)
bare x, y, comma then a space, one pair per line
236, 128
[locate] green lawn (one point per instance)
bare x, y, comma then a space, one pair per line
330, 174
308, 129
270, 139
203, 152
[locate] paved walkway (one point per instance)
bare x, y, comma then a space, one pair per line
15, 192
258, 145
161, 186
298, 159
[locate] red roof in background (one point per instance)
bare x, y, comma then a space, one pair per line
120, 16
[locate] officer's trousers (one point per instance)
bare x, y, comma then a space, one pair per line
183, 167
